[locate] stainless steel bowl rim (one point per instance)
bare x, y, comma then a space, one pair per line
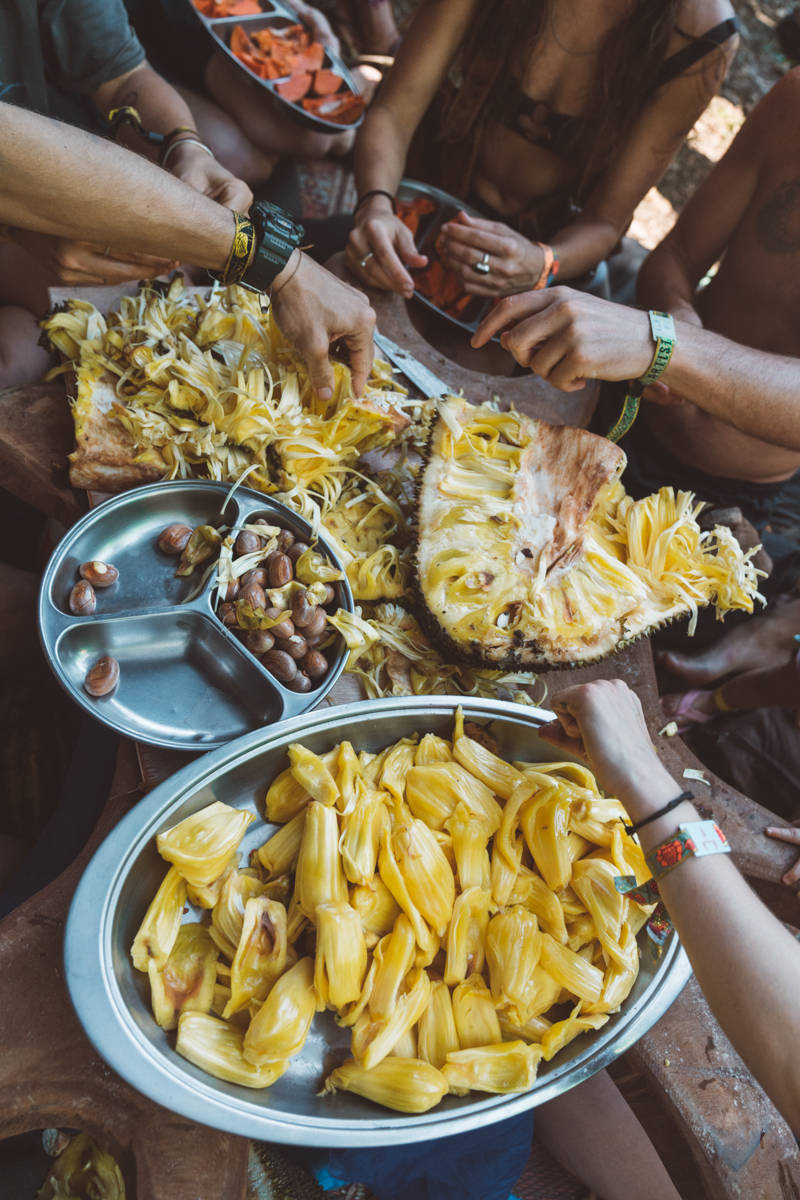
101, 1009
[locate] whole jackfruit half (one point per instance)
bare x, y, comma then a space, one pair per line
529, 552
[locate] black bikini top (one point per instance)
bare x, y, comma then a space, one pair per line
539, 124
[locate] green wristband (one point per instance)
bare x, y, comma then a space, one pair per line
662, 327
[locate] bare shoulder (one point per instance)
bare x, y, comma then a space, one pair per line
697, 17
777, 114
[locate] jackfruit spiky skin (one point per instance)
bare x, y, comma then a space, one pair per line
574, 550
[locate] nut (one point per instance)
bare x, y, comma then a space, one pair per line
295, 645
99, 574
300, 683
253, 595
296, 550
259, 641
262, 521
248, 543
279, 664
103, 677
285, 540
315, 664
232, 590
285, 628
316, 623
227, 613
279, 569
174, 539
330, 594
256, 575
302, 609
82, 600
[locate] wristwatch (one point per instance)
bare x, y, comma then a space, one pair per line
278, 236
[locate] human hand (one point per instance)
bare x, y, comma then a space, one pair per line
380, 248
661, 393
201, 171
313, 309
603, 723
567, 337
515, 264
792, 835
318, 25
83, 264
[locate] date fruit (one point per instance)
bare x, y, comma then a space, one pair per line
315, 664
248, 543
103, 677
259, 641
300, 683
296, 550
281, 665
279, 569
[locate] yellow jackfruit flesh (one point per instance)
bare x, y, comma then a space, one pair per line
187, 980
341, 955
261, 954
530, 552
405, 1084
159, 929
201, 845
216, 1047
506, 1067
280, 1027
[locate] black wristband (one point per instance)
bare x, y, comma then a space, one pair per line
662, 812
376, 192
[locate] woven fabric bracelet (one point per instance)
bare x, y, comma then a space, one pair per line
549, 267
696, 839
661, 812
376, 192
242, 250
662, 328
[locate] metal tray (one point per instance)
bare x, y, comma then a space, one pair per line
447, 207
279, 14
112, 999
186, 682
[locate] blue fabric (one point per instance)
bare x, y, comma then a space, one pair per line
483, 1164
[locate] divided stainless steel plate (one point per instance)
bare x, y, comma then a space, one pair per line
112, 999
278, 15
186, 681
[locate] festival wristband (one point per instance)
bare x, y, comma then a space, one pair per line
695, 839
549, 267
721, 703
662, 328
242, 251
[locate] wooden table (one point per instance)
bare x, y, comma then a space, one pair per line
51, 1075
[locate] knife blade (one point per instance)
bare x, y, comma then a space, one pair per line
416, 372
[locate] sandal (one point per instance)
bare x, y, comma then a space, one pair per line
686, 712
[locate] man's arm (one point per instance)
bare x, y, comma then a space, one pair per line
567, 337
140, 209
747, 964
670, 274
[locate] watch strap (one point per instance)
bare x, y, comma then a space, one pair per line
278, 236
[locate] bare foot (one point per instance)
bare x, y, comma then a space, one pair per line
763, 642
689, 708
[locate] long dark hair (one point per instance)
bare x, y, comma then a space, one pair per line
628, 75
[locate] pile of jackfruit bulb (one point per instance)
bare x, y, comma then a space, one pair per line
456, 912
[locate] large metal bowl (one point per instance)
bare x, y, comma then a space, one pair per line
111, 998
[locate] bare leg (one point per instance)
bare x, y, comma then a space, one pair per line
23, 298
229, 142
595, 1135
758, 643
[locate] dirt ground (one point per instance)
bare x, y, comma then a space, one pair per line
758, 64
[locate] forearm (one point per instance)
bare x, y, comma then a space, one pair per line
131, 204
380, 153
667, 282
582, 244
159, 105
755, 391
747, 964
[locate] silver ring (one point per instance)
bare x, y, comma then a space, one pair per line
366, 259
482, 266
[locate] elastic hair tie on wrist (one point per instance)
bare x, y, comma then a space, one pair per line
376, 192
661, 812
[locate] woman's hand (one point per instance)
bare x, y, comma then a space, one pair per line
567, 337
83, 264
201, 171
318, 25
515, 264
313, 309
381, 247
603, 723
792, 835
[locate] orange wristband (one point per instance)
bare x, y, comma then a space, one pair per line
549, 267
